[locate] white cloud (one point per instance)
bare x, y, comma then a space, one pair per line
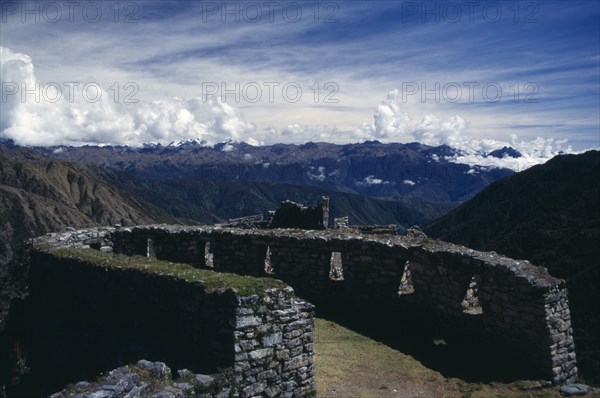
372, 180
390, 124
319, 175
77, 121
193, 51
228, 148
409, 182
54, 118
300, 134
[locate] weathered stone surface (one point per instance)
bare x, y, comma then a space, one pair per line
247, 321
182, 321
204, 381
574, 390
145, 379
158, 370
294, 215
514, 303
518, 304
272, 339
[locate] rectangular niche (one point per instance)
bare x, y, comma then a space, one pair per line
208, 256
406, 282
470, 304
336, 269
268, 265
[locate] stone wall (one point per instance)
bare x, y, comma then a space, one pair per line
509, 302
86, 317
294, 215
254, 221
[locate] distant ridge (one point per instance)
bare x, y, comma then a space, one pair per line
392, 171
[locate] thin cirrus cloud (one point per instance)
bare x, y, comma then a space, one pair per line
82, 122
368, 49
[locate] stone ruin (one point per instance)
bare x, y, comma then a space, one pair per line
88, 313
267, 339
294, 215
289, 215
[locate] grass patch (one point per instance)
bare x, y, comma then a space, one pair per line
349, 364
211, 280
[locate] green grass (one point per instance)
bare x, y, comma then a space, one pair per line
211, 280
349, 364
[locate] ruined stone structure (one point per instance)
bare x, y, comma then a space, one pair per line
294, 215
265, 337
513, 303
255, 221
88, 316
289, 215
343, 223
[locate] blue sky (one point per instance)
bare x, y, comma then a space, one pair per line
358, 52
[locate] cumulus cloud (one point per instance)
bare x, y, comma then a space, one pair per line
52, 117
390, 124
53, 114
228, 147
301, 133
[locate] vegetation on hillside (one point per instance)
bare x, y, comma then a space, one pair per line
209, 201
549, 215
38, 196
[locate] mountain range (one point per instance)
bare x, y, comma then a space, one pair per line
44, 189
548, 214
392, 171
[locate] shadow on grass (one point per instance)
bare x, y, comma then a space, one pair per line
451, 353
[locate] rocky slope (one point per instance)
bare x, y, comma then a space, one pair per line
38, 196
550, 215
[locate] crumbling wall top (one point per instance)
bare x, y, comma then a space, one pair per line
534, 275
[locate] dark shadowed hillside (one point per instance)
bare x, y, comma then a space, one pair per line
39, 196
210, 201
550, 215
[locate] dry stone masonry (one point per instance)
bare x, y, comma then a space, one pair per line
295, 215
93, 312
509, 302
